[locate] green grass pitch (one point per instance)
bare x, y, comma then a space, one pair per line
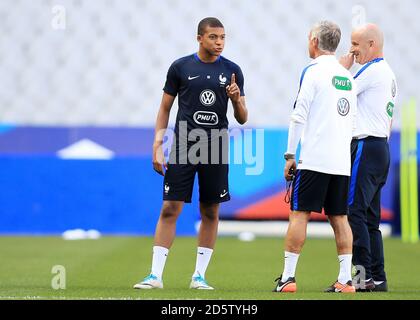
107, 269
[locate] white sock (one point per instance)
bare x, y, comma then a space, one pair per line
345, 268
203, 259
290, 263
158, 261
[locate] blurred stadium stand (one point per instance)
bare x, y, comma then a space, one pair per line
100, 78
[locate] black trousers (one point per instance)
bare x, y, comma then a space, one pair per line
370, 166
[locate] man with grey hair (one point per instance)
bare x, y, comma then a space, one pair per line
328, 35
322, 120
376, 95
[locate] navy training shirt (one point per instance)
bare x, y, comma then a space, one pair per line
201, 90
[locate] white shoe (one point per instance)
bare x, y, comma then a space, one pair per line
150, 282
200, 283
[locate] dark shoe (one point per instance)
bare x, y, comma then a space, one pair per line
288, 286
365, 286
381, 287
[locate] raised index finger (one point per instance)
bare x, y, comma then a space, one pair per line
233, 79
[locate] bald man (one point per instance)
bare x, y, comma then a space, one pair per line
376, 96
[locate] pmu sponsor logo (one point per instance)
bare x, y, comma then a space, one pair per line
390, 109
206, 118
342, 83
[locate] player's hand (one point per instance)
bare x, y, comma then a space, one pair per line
232, 90
347, 60
289, 168
159, 159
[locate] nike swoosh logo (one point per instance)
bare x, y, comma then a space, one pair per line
341, 289
201, 253
280, 288
192, 78
223, 194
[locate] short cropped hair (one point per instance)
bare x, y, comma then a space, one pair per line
208, 22
328, 34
